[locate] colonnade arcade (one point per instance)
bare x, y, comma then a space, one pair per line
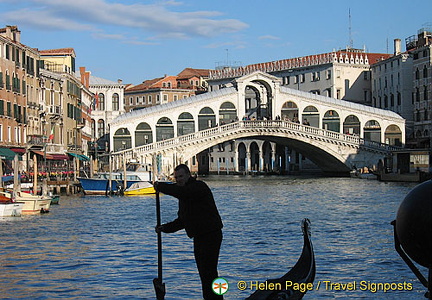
165, 128
258, 96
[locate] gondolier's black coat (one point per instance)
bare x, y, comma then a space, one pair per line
197, 212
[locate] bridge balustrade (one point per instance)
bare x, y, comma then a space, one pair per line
257, 124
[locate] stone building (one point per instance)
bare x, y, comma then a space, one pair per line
392, 85
420, 47
108, 103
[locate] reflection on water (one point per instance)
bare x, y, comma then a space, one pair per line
99, 247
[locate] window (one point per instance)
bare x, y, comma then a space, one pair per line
425, 72
100, 128
149, 99
115, 102
101, 102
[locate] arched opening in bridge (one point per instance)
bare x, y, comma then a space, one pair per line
185, 124
290, 112
267, 156
372, 131
351, 125
227, 113
254, 156
331, 121
143, 134
206, 118
122, 139
393, 135
258, 100
164, 129
241, 157
311, 116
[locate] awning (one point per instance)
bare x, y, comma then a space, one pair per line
79, 156
19, 151
84, 157
43, 154
51, 156
59, 156
6, 153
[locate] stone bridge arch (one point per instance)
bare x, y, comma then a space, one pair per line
331, 160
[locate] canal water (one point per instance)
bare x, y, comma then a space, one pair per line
105, 247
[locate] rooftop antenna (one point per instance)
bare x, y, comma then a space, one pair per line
349, 29
227, 55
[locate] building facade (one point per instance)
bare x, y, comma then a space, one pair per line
420, 47
392, 85
108, 103
343, 74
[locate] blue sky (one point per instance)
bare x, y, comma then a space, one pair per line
137, 40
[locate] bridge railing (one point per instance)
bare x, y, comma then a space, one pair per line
259, 124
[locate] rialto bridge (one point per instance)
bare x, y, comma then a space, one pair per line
335, 134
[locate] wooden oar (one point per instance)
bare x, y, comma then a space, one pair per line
157, 282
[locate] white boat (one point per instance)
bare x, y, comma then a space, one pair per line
33, 204
9, 208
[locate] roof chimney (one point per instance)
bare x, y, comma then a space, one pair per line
397, 46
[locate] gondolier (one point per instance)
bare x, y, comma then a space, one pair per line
199, 216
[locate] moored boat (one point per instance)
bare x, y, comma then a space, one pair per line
99, 183
303, 272
9, 208
140, 188
33, 204
55, 199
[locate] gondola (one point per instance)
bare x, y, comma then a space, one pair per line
303, 272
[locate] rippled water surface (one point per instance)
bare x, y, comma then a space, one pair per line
105, 247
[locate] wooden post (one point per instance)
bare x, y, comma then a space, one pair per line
1, 174
17, 187
124, 171
35, 174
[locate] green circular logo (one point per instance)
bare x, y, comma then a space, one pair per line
220, 286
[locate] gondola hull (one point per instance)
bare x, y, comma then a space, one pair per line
302, 273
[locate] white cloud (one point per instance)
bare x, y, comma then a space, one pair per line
268, 37
153, 19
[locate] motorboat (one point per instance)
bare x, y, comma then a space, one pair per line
99, 184
10, 208
33, 204
140, 188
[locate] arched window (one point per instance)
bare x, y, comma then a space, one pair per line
164, 129
100, 101
115, 102
100, 128
331, 121
227, 113
206, 118
122, 139
143, 134
290, 112
351, 125
311, 116
372, 131
185, 124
